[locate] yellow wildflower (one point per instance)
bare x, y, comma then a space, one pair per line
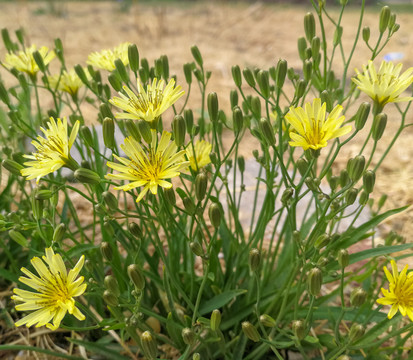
53, 151
24, 61
150, 104
387, 84
310, 129
105, 59
150, 167
56, 290
400, 293
202, 149
68, 82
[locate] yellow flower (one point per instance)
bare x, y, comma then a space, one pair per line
53, 152
150, 167
310, 129
106, 58
387, 84
56, 290
202, 150
24, 61
68, 82
400, 293
150, 104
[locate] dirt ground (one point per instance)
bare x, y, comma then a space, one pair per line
243, 34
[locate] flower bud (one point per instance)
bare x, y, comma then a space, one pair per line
300, 88
299, 329
170, 196
256, 107
6, 40
189, 205
287, 195
395, 28
233, 97
281, 73
369, 178
158, 68
132, 129
120, 67
135, 275
357, 168
108, 129
87, 176
115, 82
87, 135
12, 166
201, 182
188, 73
379, 125
196, 248
134, 229
189, 120
357, 297
110, 200
315, 46
351, 196
149, 346
215, 320
338, 33
145, 130
267, 131
112, 285
334, 181
236, 75
80, 72
267, 321
254, 259
366, 34
344, 357
54, 200
302, 46
197, 55
364, 198
18, 238
178, 129
356, 332
106, 251
39, 61
213, 106
315, 280
344, 178
311, 184
302, 166
249, 77
322, 262
343, 258
362, 115
307, 69
188, 335
100, 210
382, 201
107, 226
4, 95
309, 26
264, 83
384, 18
241, 163
321, 241
250, 331
165, 66
59, 233
237, 119
110, 298
214, 213
133, 57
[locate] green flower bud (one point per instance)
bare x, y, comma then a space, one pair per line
115, 82
338, 33
379, 125
302, 46
135, 230
188, 73
241, 163
120, 67
315, 46
132, 129
366, 34
392, 21
196, 356
188, 335
158, 68
214, 158
236, 75
296, 236
214, 213
110, 200
384, 18
264, 83
213, 106
311, 184
307, 69
369, 178
343, 258
108, 129
4, 95
54, 200
145, 130
326, 98
100, 210
256, 107
300, 88
322, 262
197, 55
199, 76
110, 298
165, 66
356, 332
196, 248
87, 135
344, 178
237, 119
287, 195
394, 29
215, 320
249, 77
309, 26
112, 285
357, 297
281, 73
179, 129
6, 40
108, 228
267, 131
302, 166
250, 331
201, 182
357, 168
267, 321
133, 56
334, 181
37, 206
233, 97
18, 238
362, 115
149, 346
135, 275
321, 241
170, 196
106, 251
315, 280
59, 233
351, 196
254, 259
87, 176
189, 205
344, 357
364, 198
299, 329
12, 166
382, 201
39, 61
189, 120
80, 72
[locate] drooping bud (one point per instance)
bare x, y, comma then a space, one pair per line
358, 297
298, 329
188, 336
189, 205
249, 77
351, 196
287, 195
315, 280
201, 182
267, 131
356, 332
343, 258
213, 106
267, 320
362, 115
215, 320
254, 259
322, 240
59, 233
196, 248
264, 83
250, 331
214, 213
135, 275
106, 251
110, 200
384, 18
112, 285
87, 176
135, 229
379, 125
309, 26
114, 81
12, 166
197, 55
364, 198
149, 346
110, 298
236, 75
170, 196
369, 179
145, 130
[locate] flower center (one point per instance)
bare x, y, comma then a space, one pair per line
149, 170
153, 100
49, 147
314, 134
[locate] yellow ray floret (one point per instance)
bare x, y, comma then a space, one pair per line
105, 59
53, 151
148, 104
68, 82
24, 61
198, 155
309, 127
386, 85
56, 290
400, 293
149, 168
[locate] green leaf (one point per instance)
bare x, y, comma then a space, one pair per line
80, 249
220, 300
8, 275
58, 355
99, 349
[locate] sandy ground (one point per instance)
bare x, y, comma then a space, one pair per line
248, 35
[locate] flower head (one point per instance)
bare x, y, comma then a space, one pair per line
56, 290
105, 59
68, 82
149, 167
202, 149
148, 104
311, 129
24, 61
386, 85
400, 293
53, 151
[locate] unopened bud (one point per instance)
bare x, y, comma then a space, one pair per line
256, 107
358, 297
106, 251
250, 331
344, 357
237, 119
315, 46
87, 176
149, 346
213, 106
343, 258
384, 18
267, 321
196, 248
112, 285
214, 213
201, 182
189, 120
311, 184
267, 131
249, 77
300, 88
369, 179
307, 69
241, 163
309, 26
344, 178
87, 135
281, 73
299, 329
189, 205
334, 181
326, 98
287, 195
254, 259
302, 166
39, 61
356, 332
337, 35
264, 83
188, 336
80, 72
170, 196
215, 320
145, 131
59, 233
356, 168
197, 55
135, 275
321, 241
364, 198
12, 166
362, 115
165, 66
132, 129
115, 82
236, 75
233, 97
302, 46
110, 298
379, 125
315, 280
18, 238
110, 200
108, 129
351, 196
120, 67
366, 34
135, 230
188, 73
133, 56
